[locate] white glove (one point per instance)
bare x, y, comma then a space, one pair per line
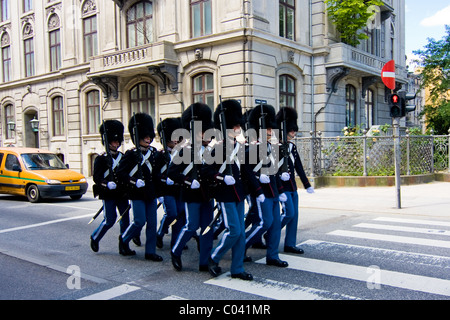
285, 176
112, 185
264, 178
282, 197
170, 182
161, 199
261, 198
140, 183
310, 190
229, 180
195, 184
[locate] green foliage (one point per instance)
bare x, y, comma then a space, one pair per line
350, 17
435, 61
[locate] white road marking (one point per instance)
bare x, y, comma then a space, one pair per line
403, 229
361, 273
112, 293
275, 289
415, 221
391, 238
45, 223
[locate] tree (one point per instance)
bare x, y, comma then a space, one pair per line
434, 61
351, 16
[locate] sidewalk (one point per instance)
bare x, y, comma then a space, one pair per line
424, 199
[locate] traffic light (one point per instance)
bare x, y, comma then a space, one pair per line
408, 107
395, 105
398, 104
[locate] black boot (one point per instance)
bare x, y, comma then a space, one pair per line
94, 245
124, 249
213, 268
176, 262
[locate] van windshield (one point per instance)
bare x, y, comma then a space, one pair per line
42, 161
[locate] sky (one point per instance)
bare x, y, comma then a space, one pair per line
425, 19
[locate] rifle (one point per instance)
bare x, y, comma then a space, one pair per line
163, 135
110, 165
262, 125
284, 143
138, 145
223, 129
96, 215
194, 174
216, 217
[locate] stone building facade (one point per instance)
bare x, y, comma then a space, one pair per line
71, 63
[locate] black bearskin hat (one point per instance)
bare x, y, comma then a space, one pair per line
290, 115
170, 125
201, 113
270, 117
144, 124
233, 114
114, 130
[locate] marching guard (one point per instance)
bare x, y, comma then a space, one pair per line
106, 186
289, 164
139, 169
172, 204
230, 174
262, 119
195, 191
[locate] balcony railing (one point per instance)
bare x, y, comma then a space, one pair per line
131, 58
342, 54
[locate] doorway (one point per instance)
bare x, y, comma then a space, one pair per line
31, 137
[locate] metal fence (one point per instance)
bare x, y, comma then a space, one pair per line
373, 155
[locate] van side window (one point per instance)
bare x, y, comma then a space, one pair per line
11, 161
1, 158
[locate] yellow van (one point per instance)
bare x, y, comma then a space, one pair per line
37, 174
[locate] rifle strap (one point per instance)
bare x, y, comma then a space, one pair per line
144, 161
232, 158
114, 165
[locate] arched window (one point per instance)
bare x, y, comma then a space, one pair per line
203, 89
6, 57
93, 111
58, 116
55, 50
287, 91
9, 117
142, 99
140, 24
350, 111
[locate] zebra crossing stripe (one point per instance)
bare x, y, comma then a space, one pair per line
360, 273
391, 238
112, 293
415, 221
358, 252
403, 229
275, 289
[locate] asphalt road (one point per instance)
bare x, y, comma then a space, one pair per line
359, 252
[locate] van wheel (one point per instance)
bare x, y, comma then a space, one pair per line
33, 193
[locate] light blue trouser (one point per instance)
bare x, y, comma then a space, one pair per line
198, 215
289, 218
110, 216
144, 212
173, 209
233, 237
270, 221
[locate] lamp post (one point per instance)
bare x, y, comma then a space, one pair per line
11, 126
34, 124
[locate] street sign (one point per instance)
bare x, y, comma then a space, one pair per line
388, 74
